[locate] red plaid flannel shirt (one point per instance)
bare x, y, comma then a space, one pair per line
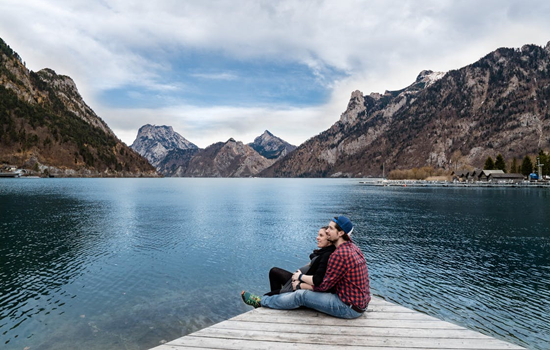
347, 271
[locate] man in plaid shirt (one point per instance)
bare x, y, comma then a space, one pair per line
347, 273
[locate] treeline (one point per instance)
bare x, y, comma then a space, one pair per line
527, 166
417, 173
25, 126
7, 50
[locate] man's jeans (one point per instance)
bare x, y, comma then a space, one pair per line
327, 303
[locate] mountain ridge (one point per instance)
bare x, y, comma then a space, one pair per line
498, 104
223, 159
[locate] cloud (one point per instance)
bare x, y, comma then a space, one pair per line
230, 67
216, 76
205, 126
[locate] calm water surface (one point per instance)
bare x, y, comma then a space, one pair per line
130, 263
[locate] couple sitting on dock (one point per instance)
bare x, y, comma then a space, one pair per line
336, 281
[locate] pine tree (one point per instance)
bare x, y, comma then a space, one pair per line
489, 164
500, 164
544, 159
546, 166
514, 166
526, 166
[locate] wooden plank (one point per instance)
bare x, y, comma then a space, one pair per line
344, 340
360, 322
370, 315
351, 331
192, 342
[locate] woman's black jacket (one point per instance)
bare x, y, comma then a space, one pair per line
319, 261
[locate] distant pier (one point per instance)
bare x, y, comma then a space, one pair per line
424, 183
9, 174
384, 326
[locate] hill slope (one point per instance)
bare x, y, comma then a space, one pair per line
222, 159
46, 126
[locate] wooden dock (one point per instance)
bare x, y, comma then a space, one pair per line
384, 326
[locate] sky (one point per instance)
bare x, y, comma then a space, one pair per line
215, 70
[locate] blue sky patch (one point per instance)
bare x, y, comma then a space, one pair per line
215, 80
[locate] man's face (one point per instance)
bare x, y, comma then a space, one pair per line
332, 232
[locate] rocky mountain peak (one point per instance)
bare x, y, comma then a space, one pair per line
66, 90
265, 138
155, 141
237, 147
375, 95
271, 146
428, 77
355, 107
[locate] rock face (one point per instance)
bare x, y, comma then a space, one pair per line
270, 146
65, 89
46, 126
155, 142
176, 162
222, 159
447, 120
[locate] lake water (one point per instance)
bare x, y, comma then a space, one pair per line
131, 263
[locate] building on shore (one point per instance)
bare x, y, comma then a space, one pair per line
484, 174
514, 177
480, 175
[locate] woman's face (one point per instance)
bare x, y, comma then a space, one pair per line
322, 240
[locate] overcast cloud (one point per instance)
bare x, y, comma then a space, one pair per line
220, 69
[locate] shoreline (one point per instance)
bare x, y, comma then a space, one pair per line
425, 183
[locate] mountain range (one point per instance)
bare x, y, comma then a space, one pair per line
450, 120
173, 155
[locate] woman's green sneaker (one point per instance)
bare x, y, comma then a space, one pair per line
251, 299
